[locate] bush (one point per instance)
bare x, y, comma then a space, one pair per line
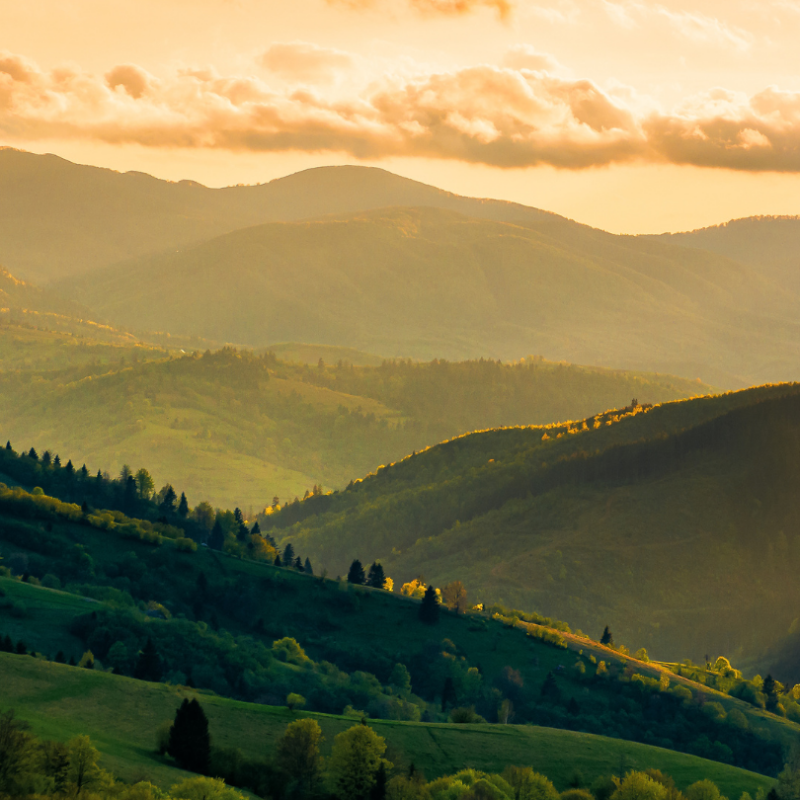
50, 581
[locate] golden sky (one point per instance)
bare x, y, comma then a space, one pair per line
631, 115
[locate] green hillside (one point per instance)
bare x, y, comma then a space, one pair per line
769, 245
222, 622
238, 429
121, 715
429, 283
675, 525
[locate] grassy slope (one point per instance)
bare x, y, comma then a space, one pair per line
430, 283
121, 714
238, 431
665, 557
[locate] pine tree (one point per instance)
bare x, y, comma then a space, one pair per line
70, 470
170, 498
378, 791
217, 538
22, 648
84, 473
33, 454
256, 529
277, 562
307, 568
550, 691
607, 638
148, 667
183, 506
189, 740
9, 448
57, 461
356, 573
429, 608
376, 577
288, 555
47, 459
60, 659
298, 564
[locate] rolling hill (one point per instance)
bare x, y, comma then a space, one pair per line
430, 283
238, 429
677, 526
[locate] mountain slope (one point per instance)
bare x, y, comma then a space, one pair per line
770, 245
430, 283
677, 527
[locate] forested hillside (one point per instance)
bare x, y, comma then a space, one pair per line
237, 429
676, 525
429, 284
770, 245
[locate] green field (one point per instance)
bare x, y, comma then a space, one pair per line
121, 715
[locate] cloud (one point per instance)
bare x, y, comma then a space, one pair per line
134, 80
502, 116
304, 62
433, 7
523, 56
691, 25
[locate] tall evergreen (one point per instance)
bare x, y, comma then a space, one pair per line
189, 740
33, 454
356, 573
148, 667
607, 638
288, 555
183, 506
376, 577
256, 529
298, 564
277, 562
170, 498
550, 691
217, 538
378, 791
307, 568
429, 608
9, 448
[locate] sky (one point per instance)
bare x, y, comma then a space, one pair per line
630, 115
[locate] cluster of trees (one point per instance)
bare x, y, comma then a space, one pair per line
33, 767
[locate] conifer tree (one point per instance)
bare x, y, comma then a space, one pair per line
607, 638
550, 690
298, 564
70, 470
356, 573
378, 791
376, 577
189, 740
307, 568
183, 506
9, 448
57, 461
33, 454
217, 538
429, 608
277, 562
148, 667
288, 555
170, 498
47, 459
256, 529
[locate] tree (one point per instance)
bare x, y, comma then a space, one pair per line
183, 506
429, 608
356, 573
298, 564
529, 785
256, 529
16, 751
148, 666
376, 577
33, 454
189, 740
607, 638
307, 568
217, 539
639, 786
277, 562
355, 759
378, 791
298, 753
550, 691
83, 770
288, 555
294, 700
168, 499
454, 596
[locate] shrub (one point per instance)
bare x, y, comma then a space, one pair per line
50, 581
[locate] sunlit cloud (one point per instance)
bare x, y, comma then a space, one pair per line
519, 114
433, 7
305, 62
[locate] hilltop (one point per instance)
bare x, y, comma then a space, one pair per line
432, 283
674, 525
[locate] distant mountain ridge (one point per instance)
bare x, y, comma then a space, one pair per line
59, 219
433, 283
